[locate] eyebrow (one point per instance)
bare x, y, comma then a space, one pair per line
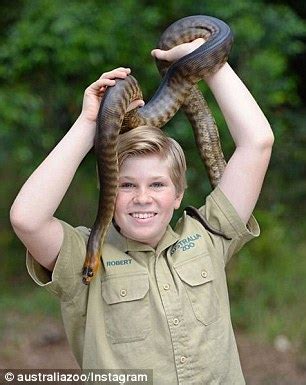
152, 178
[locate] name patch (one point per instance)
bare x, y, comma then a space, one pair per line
186, 243
119, 262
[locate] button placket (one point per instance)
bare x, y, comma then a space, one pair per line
183, 359
173, 314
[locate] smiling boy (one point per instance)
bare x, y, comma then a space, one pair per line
160, 301
148, 190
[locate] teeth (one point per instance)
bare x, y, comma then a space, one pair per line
143, 215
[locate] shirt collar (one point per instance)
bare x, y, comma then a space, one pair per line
125, 244
169, 238
116, 239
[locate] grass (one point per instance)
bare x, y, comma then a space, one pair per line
25, 312
28, 301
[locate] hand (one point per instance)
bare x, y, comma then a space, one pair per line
94, 93
178, 51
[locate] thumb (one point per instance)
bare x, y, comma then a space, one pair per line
158, 54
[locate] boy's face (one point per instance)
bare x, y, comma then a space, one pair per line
146, 199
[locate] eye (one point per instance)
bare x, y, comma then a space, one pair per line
157, 185
126, 185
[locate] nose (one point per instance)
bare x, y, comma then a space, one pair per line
142, 196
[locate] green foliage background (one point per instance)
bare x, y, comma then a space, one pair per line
51, 50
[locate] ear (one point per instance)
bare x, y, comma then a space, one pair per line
178, 200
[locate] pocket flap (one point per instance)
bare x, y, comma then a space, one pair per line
125, 288
196, 271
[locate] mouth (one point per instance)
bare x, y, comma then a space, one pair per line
143, 215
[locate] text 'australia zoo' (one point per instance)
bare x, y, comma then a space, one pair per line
186, 243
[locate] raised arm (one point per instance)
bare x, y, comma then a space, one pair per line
32, 213
244, 174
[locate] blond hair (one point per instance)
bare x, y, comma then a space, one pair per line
145, 140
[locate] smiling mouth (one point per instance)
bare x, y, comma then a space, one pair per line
143, 215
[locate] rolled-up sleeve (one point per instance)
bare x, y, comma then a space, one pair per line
221, 215
67, 273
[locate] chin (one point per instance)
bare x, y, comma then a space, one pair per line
144, 238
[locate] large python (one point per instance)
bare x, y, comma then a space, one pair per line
177, 89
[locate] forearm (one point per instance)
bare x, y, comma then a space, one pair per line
42, 193
243, 176
247, 123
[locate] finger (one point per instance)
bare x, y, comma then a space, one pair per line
135, 104
127, 69
120, 72
196, 43
178, 51
102, 83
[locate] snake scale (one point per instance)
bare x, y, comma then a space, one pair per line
177, 89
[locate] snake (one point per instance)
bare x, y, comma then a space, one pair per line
177, 89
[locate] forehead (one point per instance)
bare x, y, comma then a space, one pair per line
150, 165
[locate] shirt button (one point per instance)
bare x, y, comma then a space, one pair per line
176, 321
204, 273
183, 359
166, 286
123, 292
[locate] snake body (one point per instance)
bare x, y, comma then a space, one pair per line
177, 89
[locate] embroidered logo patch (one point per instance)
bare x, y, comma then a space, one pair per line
185, 243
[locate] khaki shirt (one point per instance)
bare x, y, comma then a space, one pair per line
165, 309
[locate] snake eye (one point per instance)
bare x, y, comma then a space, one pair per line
87, 273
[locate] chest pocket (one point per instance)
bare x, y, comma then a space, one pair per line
127, 315
198, 277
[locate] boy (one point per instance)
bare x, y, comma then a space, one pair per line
160, 301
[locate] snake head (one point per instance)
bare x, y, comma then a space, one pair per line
90, 267
87, 275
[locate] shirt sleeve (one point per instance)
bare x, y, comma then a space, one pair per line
66, 279
221, 215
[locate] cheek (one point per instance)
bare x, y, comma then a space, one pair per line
119, 203
170, 201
